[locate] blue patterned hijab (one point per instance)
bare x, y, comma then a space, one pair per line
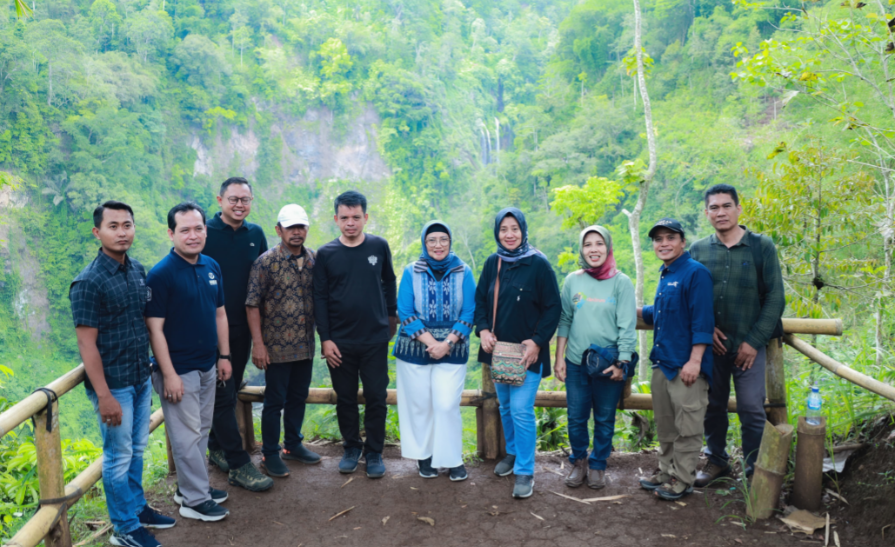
524, 249
450, 261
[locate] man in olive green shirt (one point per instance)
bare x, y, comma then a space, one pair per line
748, 306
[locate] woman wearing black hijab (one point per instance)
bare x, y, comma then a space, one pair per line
528, 310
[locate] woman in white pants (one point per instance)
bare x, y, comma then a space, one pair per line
436, 304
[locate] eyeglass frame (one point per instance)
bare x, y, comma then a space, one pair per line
233, 200
442, 241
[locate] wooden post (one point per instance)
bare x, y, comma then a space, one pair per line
50, 474
172, 468
807, 486
770, 468
245, 421
491, 430
775, 383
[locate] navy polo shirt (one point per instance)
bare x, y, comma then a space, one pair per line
682, 316
187, 296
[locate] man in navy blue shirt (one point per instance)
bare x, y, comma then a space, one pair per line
188, 332
683, 325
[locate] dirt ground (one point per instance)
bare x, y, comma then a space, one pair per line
298, 511
868, 485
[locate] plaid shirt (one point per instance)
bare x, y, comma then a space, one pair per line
282, 286
110, 297
739, 313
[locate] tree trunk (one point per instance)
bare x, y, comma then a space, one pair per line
50, 90
634, 216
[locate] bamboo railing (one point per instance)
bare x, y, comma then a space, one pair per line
50, 522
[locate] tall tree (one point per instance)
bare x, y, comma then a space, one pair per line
645, 179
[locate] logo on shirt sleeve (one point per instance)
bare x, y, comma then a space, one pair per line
373, 259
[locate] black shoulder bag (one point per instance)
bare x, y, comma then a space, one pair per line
758, 259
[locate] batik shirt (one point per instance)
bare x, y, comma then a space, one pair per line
281, 285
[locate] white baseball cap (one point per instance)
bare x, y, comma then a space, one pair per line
291, 215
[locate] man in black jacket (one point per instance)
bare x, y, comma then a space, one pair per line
356, 309
234, 244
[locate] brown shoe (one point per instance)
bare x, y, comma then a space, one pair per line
577, 474
709, 474
596, 478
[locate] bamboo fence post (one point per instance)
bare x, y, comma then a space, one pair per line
50, 474
172, 468
245, 421
807, 486
775, 382
491, 431
770, 469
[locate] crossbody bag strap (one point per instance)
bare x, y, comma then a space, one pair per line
496, 293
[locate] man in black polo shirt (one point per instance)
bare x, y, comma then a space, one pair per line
188, 334
107, 302
234, 244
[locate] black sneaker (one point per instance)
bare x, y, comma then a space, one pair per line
219, 458
217, 496
301, 454
525, 486
207, 511
459, 473
138, 538
375, 467
274, 466
426, 469
150, 518
349, 460
505, 466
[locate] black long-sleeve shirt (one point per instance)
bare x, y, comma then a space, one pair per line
355, 292
528, 307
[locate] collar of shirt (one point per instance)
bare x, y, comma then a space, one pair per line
286, 253
713, 239
676, 265
182, 262
111, 264
217, 223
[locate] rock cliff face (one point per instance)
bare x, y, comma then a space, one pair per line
311, 152
30, 303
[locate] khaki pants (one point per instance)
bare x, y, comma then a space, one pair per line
679, 412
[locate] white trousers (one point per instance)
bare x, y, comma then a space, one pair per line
429, 412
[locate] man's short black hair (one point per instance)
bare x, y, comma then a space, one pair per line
351, 199
116, 205
722, 189
234, 180
183, 207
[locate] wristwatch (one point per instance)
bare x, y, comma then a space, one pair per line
227, 357
451, 344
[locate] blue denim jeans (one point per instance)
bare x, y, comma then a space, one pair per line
517, 414
584, 394
123, 448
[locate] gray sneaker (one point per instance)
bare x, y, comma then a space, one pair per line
219, 458
525, 486
250, 478
505, 466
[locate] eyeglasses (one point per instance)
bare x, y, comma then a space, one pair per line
234, 200
440, 241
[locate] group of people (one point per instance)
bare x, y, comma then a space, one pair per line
221, 297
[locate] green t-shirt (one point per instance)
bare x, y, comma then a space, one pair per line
598, 312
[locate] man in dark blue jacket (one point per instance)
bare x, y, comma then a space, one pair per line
682, 368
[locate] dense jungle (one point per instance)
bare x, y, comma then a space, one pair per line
448, 109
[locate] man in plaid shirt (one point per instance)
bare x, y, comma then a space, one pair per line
748, 305
107, 302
